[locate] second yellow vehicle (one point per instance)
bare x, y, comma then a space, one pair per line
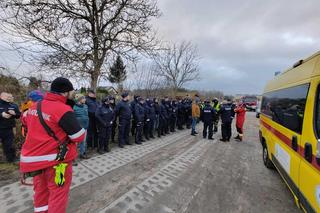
290, 130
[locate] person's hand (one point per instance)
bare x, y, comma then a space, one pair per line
6, 115
12, 112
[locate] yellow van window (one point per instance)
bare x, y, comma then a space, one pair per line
286, 106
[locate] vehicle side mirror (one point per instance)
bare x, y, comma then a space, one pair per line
318, 152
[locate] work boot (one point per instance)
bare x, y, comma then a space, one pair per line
139, 143
238, 137
195, 132
223, 140
84, 157
129, 144
211, 138
100, 152
152, 137
121, 146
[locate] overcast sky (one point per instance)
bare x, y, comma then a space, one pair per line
242, 42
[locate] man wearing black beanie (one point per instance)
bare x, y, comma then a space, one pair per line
42, 157
123, 110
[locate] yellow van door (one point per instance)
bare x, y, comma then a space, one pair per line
309, 181
286, 107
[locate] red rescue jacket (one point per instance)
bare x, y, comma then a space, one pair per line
241, 115
40, 150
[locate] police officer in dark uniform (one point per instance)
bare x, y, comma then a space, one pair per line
132, 105
169, 111
152, 117
139, 119
8, 113
163, 117
114, 125
188, 113
92, 133
123, 110
147, 123
207, 116
158, 121
180, 115
105, 117
173, 116
227, 114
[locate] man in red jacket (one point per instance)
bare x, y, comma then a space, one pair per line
241, 115
51, 177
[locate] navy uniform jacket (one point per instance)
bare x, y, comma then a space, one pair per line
92, 104
208, 113
133, 106
227, 112
123, 110
174, 110
5, 107
152, 111
147, 111
139, 113
105, 115
163, 111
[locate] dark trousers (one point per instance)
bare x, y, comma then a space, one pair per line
104, 136
151, 129
180, 122
124, 131
162, 126
139, 130
113, 131
215, 123
92, 132
7, 137
166, 126
133, 127
188, 122
206, 126
146, 129
226, 130
173, 121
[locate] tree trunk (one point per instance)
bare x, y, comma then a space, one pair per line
94, 79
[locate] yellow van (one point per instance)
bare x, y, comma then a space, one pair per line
290, 130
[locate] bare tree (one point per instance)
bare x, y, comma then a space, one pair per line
146, 81
178, 64
78, 37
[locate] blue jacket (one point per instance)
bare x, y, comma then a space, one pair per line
139, 113
123, 110
5, 107
92, 104
147, 112
152, 111
105, 115
81, 112
227, 112
163, 111
133, 106
207, 114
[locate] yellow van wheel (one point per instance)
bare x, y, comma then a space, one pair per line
266, 160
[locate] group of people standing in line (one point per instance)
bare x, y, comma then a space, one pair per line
54, 124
